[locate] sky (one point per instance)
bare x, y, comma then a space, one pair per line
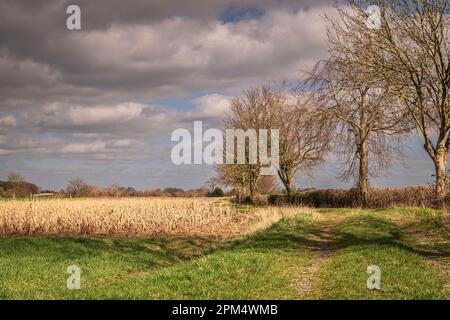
101, 103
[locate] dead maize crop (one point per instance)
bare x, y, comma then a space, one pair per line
131, 217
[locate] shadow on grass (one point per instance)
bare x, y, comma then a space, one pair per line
298, 234
152, 252
428, 228
287, 235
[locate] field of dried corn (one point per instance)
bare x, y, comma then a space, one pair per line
132, 217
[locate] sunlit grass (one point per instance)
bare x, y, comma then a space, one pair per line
369, 240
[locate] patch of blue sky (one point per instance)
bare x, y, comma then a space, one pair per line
179, 104
235, 14
185, 103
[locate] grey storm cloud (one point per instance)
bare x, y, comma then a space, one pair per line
148, 49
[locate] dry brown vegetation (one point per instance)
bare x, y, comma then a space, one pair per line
133, 217
414, 196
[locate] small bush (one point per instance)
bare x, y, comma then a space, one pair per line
217, 192
257, 200
260, 200
247, 200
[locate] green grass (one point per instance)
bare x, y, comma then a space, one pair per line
35, 268
370, 240
266, 265
243, 274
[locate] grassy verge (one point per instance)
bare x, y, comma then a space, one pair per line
35, 268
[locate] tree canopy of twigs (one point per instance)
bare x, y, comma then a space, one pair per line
367, 116
303, 139
408, 56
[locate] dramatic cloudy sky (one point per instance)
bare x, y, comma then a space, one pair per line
101, 103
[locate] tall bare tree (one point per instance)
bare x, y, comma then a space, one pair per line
304, 138
365, 116
256, 110
409, 52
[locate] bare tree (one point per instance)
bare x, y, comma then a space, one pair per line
77, 188
234, 176
212, 183
115, 190
409, 53
16, 180
256, 110
304, 138
267, 185
366, 119
15, 177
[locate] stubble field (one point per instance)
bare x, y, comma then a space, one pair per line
130, 217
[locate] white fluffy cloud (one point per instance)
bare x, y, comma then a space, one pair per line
61, 115
210, 107
191, 54
120, 113
4, 152
121, 143
95, 147
8, 121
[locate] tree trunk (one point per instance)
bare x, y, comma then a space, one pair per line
253, 178
363, 179
441, 177
286, 178
238, 194
252, 190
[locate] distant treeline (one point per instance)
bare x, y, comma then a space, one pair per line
18, 187
94, 191
25, 189
413, 196
79, 188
